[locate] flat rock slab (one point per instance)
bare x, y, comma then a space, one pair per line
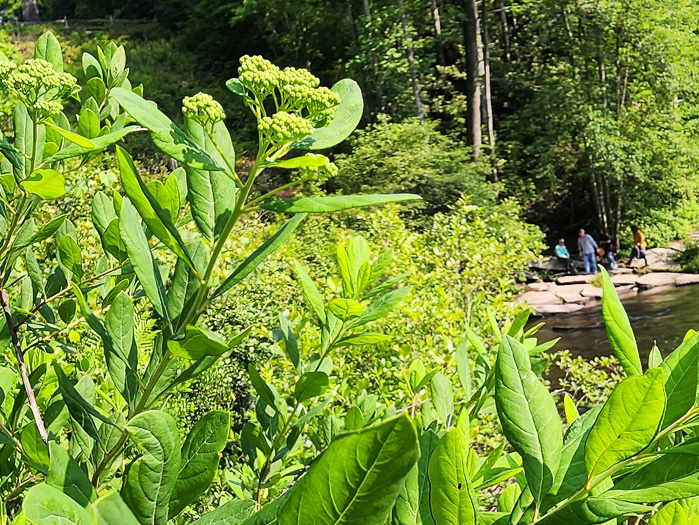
624, 279
573, 298
685, 279
554, 309
539, 287
620, 271
665, 267
651, 280
592, 292
539, 298
575, 279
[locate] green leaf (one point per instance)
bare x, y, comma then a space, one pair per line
333, 203
79, 140
10, 152
382, 306
310, 385
260, 254
593, 511
452, 497
88, 126
443, 397
95, 144
47, 48
627, 423
357, 479
149, 479
234, 512
70, 258
198, 343
309, 159
345, 309
671, 514
66, 475
407, 506
142, 259
681, 370
618, 328
674, 475
570, 409
200, 456
263, 389
111, 510
46, 505
344, 122
120, 351
528, 416
47, 184
366, 338
156, 218
313, 297
165, 134
463, 367
236, 87
290, 344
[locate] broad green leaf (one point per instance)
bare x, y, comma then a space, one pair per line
366, 338
570, 409
428, 442
197, 343
310, 385
88, 126
528, 416
674, 475
259, 255
346, 118
591, 511
508, 498
96, 144
463, 367
357, 479
91, 66
234, 512
671, 514
121, 353
345, 309
681, 370
309, 159
47, 184
184, 285
34, 450
142, 259
354, 419
46, 505
149, 479
78, 140
102, 212
199, 459
156, 218
627, 422
165, 134
618, 328
11, 153
382, 306
333, 203
291, 346
70, 257
24, 138
112, 510
452, 497
66, 475
443, 397
47, 48
264, 390
407, 505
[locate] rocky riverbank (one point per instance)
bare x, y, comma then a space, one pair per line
570, 293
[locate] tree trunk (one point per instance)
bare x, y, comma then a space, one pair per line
438, 33
488, 99
505, 30
30, 11
353, 26
411, 64
472, 45
375, 60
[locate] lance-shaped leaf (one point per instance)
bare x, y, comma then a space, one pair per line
165, 134
528, 415
681, 369
66, 475
96, 144
619, 332
310, 385
592, 511
76, 139
142, 259
315, 301
452, 496
357, 479
346, 118
10, 152
627, 422
197, 343
406, 511
382, 306
674, 475
156, 218
260, 254
46, 505
428, 442
150, 478
333, 203
199, 459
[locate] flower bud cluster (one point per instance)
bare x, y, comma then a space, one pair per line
319, 172
203, 108
37, 85
284, 127
295, 92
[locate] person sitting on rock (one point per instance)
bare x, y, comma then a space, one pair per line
608, 247
588, 251
562, 254
639, 245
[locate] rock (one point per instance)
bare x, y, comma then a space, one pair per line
620, 271
553, 309
624, 279
539, 287
685, 279
652, 280
539, 298
573, 298
575, 279
677, 246
592, 292
665, 267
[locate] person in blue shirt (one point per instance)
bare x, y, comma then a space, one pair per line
588, 251
562, 254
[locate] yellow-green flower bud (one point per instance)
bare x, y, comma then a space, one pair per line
203, 108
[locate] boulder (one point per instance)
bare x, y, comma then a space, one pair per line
593, 292
685, 279
575, 279
652, 280
554, 309
665, 267
539, 298
539, 287
573, 298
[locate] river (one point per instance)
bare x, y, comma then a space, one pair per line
661, 315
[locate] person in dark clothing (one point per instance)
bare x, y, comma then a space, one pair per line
608, 246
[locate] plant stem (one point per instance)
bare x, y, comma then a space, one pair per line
31, 399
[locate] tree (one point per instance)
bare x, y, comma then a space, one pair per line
30, 11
